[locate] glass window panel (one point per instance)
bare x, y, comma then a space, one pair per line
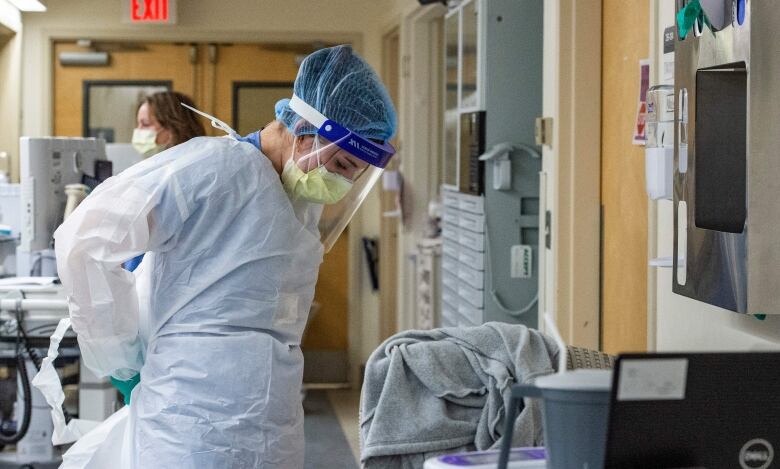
469, 87
450, 156
111, 107
253, 103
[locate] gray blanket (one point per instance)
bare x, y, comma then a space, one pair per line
432, 392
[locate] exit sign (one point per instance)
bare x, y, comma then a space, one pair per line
149, 11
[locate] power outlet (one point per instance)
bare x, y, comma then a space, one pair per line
522, 262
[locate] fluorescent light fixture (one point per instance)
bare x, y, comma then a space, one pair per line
28, 5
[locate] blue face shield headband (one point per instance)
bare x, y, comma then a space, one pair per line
375, 154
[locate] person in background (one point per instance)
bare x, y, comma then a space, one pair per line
162, 122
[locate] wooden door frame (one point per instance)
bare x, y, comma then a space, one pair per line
388, 267
570, 271
419, 137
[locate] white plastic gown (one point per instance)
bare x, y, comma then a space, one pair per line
229, 280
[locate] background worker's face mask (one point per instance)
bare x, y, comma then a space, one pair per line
145, 142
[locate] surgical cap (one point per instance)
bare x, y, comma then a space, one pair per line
345, 89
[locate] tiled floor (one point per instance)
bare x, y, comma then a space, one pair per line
346, 403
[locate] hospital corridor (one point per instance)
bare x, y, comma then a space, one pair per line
389, 234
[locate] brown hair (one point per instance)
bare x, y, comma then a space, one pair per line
180, 121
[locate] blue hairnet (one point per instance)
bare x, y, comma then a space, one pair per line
346, 90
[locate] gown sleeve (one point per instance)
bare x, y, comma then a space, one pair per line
122, 218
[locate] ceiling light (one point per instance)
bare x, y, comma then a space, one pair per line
28, 5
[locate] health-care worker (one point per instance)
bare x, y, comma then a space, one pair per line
230, 225
162, 122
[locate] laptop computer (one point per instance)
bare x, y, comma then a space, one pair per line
702, 410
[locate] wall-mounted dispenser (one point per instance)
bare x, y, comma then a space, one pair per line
727, 174
659, 148
502, 165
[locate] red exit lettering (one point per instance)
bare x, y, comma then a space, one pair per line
148, 10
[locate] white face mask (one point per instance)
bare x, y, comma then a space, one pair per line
145, 142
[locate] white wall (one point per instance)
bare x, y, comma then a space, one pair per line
360, 22
685, 324
10, 79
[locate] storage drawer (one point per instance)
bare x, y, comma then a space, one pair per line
462, 322
470, 221
450, 199
450, 216
449, 265
474, 278
450, 296
471, 258
471, 203
450, 279
474, 316
447, 322
450, 313
475, 241
451, 232
451, 249
473, 296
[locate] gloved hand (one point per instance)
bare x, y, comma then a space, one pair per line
126, 387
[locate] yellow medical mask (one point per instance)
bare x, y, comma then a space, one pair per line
319, 185
145, 142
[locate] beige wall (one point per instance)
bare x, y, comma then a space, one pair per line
685, 324
10, 81
360, 22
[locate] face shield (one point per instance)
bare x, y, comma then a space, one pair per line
334, 166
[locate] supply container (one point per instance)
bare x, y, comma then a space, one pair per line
576, 412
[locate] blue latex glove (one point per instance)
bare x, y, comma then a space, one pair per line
126, 387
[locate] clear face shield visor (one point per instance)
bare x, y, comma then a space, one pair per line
336, 167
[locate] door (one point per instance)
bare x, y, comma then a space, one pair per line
624, 201
390, 202
237, 83
248, 79
569, 249
133, 70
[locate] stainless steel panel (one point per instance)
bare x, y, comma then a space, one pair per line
728, 265
763, 172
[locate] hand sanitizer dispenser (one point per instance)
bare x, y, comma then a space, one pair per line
502, 165
659, 149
